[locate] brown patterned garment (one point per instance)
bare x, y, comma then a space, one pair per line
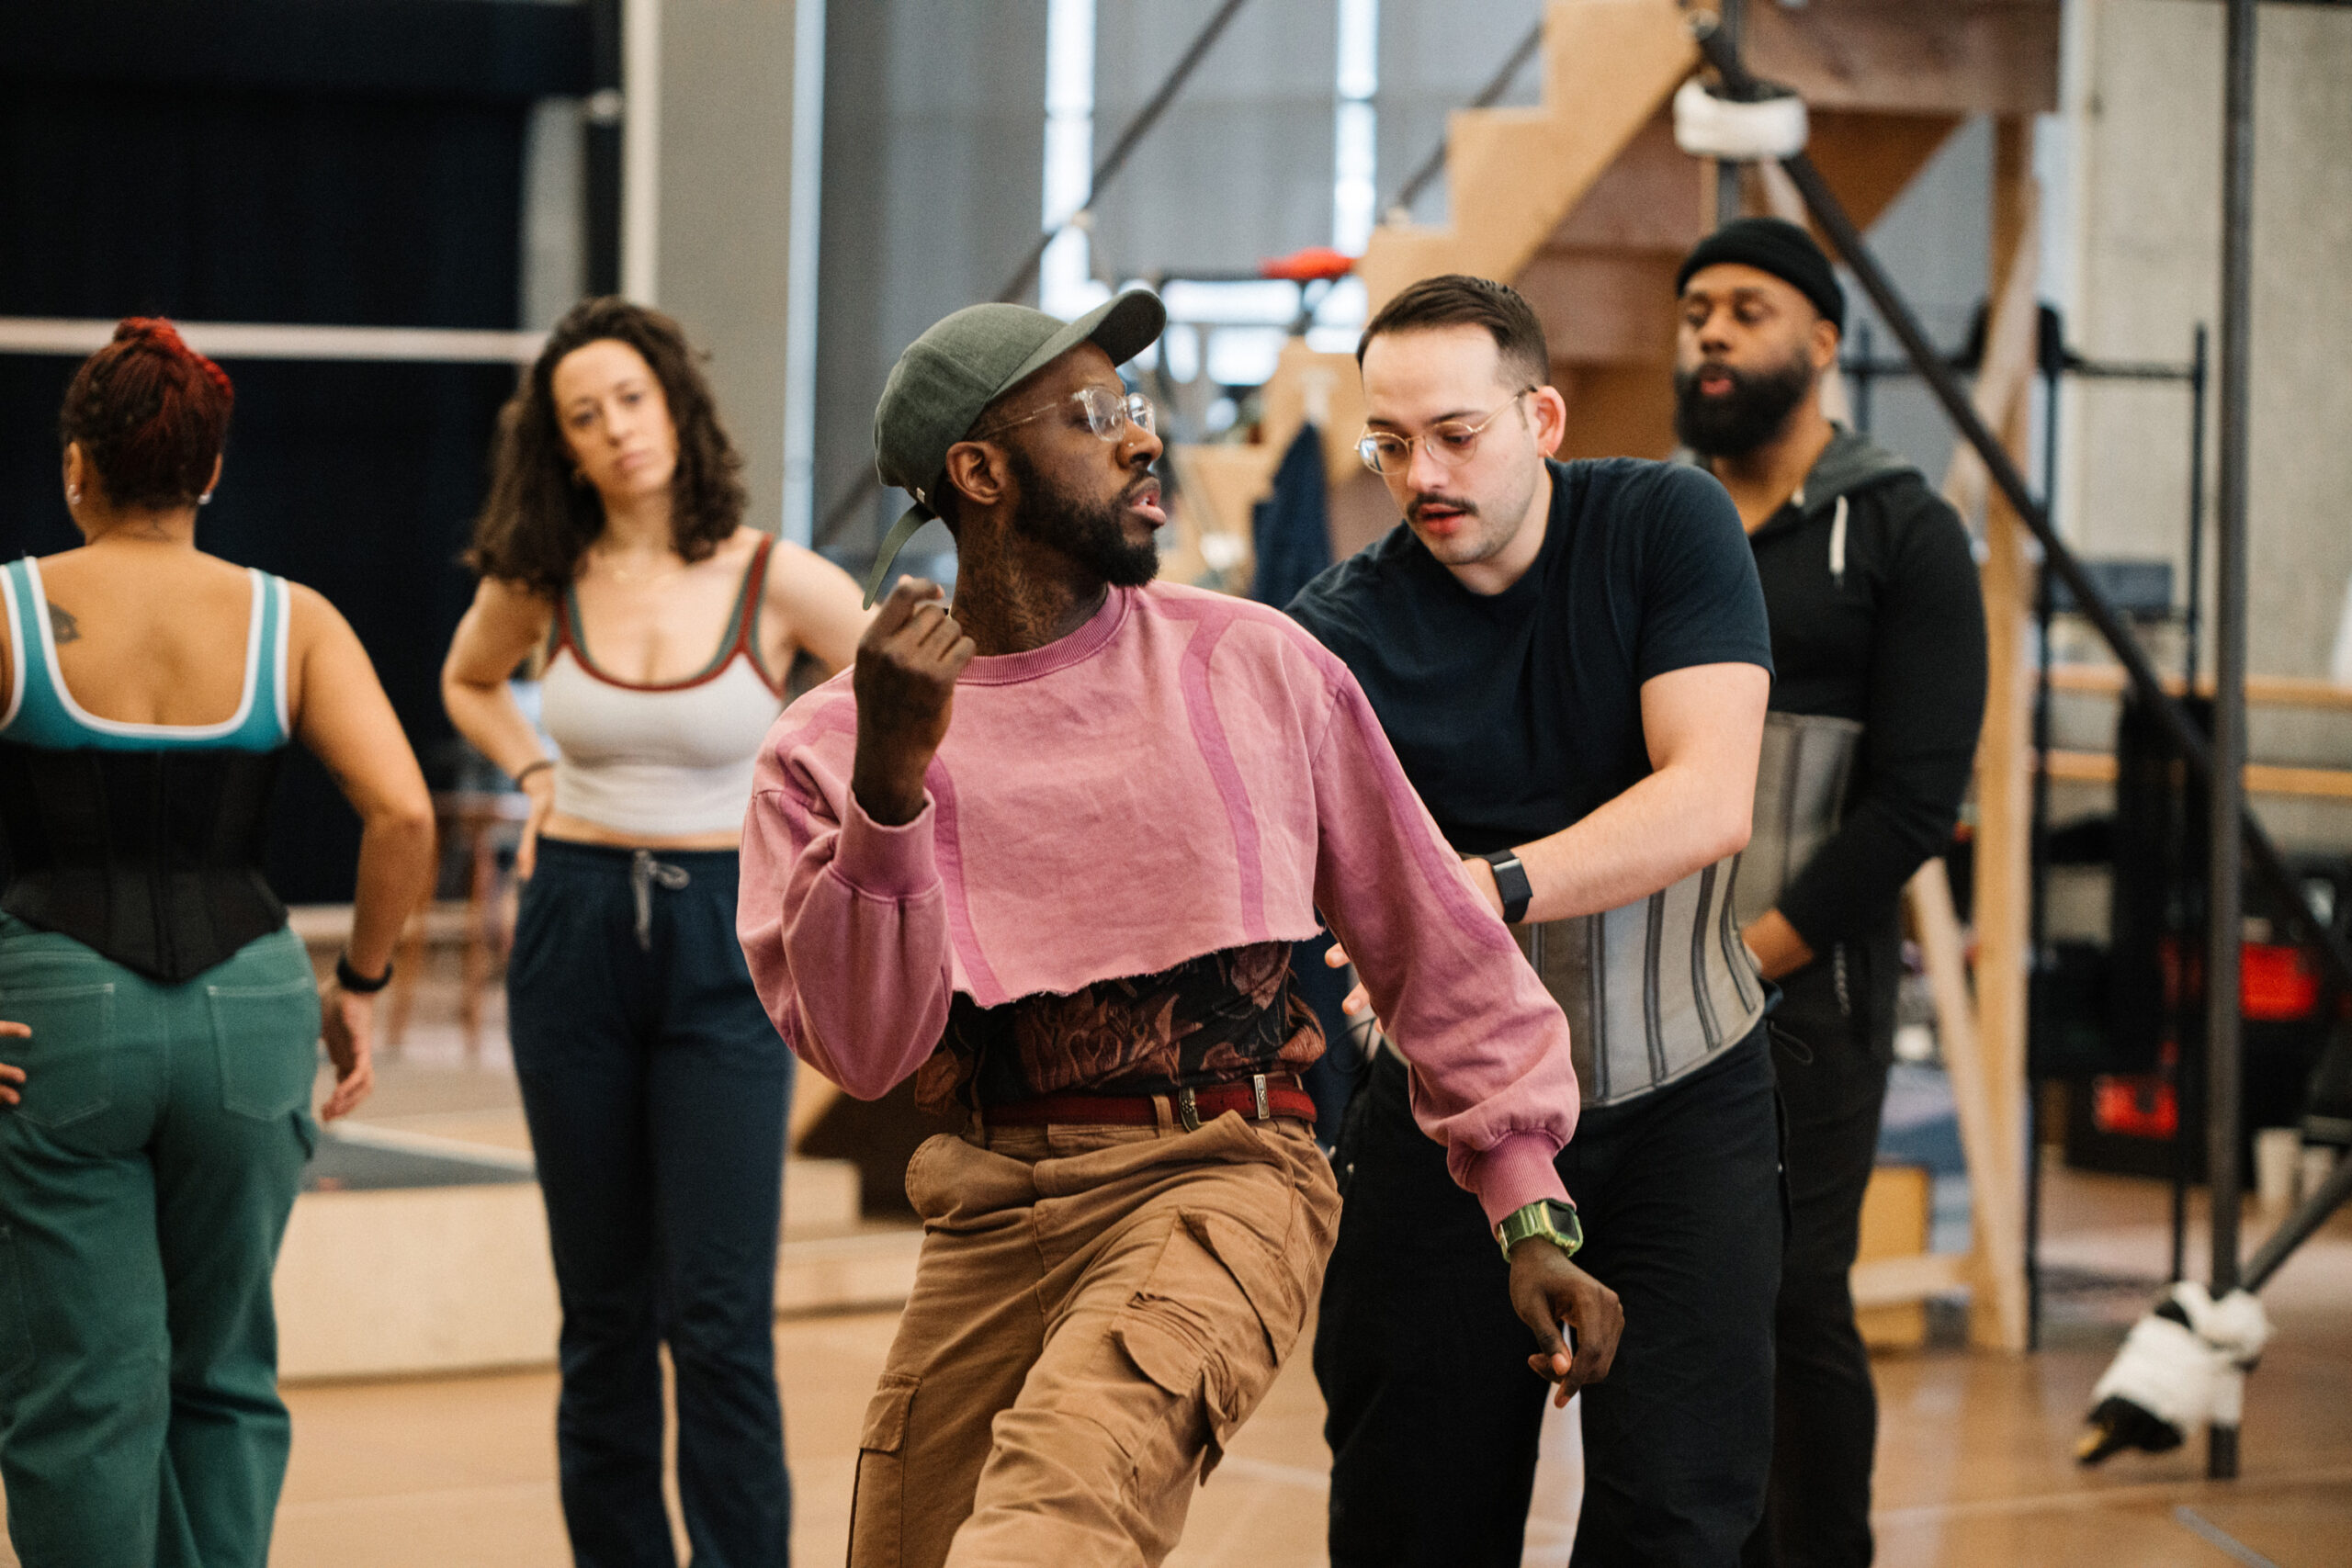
1210, 1020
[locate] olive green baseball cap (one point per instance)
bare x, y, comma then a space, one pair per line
949, 376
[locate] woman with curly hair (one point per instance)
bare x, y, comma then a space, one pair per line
655, 1087
164, 1023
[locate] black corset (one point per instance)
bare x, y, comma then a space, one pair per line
153, 858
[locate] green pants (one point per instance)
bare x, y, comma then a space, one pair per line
145, 1181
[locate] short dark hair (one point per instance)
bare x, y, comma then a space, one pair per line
1458, 300
537, 521
150, 415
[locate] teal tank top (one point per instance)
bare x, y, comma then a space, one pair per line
142, 841
41, 712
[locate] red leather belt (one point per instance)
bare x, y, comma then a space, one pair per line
1256, 1098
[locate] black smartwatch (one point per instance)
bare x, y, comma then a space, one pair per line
1510, 881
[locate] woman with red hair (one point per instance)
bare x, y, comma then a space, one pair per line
163, 1022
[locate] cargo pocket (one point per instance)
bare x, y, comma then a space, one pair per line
1213, 1321
268, 1038
69, 1061
16, 1325
877, 1504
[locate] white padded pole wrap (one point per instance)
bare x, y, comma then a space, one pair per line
1708, 127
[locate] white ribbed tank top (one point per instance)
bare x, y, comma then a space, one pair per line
668, 760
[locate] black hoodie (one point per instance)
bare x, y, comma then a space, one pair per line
1877, 616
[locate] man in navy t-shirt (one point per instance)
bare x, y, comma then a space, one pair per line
1572, 662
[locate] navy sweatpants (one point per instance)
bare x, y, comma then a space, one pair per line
657, 1092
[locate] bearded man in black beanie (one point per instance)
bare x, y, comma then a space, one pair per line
1878, 649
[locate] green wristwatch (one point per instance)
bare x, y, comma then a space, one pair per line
1548, 1217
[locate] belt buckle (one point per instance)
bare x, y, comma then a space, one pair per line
1188, 1111
1257, 1092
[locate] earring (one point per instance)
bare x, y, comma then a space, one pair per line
72, 495
205, 500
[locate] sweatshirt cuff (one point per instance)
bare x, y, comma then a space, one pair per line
886, 863
1514, 1173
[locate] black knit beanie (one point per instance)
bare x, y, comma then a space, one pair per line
1778, 247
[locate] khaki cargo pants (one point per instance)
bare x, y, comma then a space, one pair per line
1096, 1310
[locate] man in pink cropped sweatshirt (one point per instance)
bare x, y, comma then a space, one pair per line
1047, 855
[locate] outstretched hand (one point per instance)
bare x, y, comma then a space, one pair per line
905, 682
1546, 1291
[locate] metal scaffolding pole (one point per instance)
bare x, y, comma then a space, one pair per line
2225, 892
1731, 23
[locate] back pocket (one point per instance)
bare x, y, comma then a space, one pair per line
69, 1062
268, 1040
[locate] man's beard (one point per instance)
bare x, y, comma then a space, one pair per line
1739, 421
1090, 533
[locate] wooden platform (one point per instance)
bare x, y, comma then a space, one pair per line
404, 1281
407, 1281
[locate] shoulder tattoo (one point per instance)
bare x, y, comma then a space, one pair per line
63, 626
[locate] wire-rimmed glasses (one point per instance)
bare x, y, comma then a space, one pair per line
1452, 442
1108, 413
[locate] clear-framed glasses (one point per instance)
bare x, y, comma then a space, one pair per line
1453, 442
1108, 413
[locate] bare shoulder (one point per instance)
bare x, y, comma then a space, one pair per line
167, 583
813, 605
795, 572
309, 606
737, 548
313, 620
498, 596
511, 609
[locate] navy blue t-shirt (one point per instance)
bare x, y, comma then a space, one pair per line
1517, 713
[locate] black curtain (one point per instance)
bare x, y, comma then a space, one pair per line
272, 199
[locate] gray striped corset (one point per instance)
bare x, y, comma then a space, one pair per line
1653, 989
1802, 780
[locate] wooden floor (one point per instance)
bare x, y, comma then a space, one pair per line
1974, 1448
1974, 1464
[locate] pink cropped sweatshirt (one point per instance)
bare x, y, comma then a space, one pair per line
1183, 773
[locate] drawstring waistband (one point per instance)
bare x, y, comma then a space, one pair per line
644, 871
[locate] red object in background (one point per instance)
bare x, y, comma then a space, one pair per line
2275, 984
1306, 266
2136, 1105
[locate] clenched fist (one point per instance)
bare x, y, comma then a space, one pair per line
905, 682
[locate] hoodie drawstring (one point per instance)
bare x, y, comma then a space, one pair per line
1838, 546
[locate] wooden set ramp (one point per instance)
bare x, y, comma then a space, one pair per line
1586, 204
